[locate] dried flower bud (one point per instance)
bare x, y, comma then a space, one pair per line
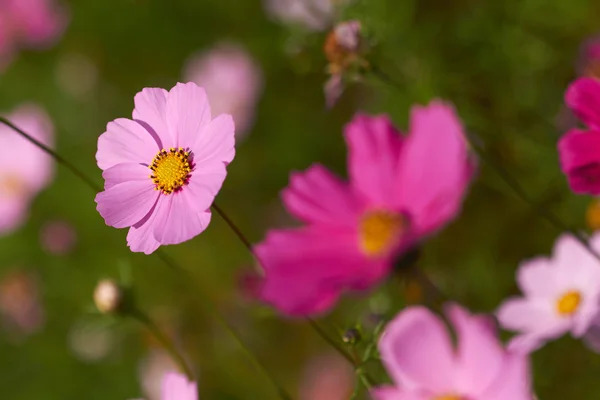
342, 46
108, 296
352, 336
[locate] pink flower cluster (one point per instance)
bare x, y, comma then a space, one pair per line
29, 23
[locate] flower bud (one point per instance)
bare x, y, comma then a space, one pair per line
352, 336
108, 296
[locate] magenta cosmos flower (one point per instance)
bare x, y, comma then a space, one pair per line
401, 189
232, 80
560, 295
24, 169
579, 149
418, 353
164, 167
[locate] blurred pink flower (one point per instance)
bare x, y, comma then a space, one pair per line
24, 168
232, 80
578, 149
20, 303
152, 371
327, 377
561, 294
58, 237
400, 190
177, 387
163, 169
417, 352
29, 23
314, 15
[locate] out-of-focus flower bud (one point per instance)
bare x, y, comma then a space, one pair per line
352, 336
108, 296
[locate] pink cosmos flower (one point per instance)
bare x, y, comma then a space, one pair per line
29, 23
314, 15
579, 157
401, 190
164, 167
417, 352
177, 387
232, 80
560, 295
24, 169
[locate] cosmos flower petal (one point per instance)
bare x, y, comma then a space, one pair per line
150, 111
318, 196
514, 383
125, 204
216, 141
412, 343
175, 223
125, 141
188, 112
205, 184
374, 148
580, 161
392, 393
435, 167
124, 172
521, 314
534, 277
583, 98
13, 213
177, 387
140, 237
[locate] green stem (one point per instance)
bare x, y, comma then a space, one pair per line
330, 341
164, 341
234, 228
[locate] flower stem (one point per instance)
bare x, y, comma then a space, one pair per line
233, 227
164, 341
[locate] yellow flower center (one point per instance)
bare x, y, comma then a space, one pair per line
379, 230
449, 397
11, 185
171, 169
568, 303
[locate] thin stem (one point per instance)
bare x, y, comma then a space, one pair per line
330, 341
169, 262
54, 155
234, 227
164, 341
385, 78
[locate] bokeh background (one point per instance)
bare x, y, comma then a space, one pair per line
504, 64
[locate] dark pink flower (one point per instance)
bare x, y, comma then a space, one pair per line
400, 190
579, 149
418, 353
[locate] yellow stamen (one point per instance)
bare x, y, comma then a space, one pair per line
171, 169
379, 230
568, 303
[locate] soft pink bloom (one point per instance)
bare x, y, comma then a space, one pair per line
58, 237
29, 23
401, 190
419, 355
20, 303
560, 294
24, 168
327, 377
314, 15
177, 387
232, 79
164, 167
578, 148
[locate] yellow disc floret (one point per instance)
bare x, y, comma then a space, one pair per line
171, 169
379, 230
568, 303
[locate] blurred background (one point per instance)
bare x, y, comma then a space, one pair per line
504, 65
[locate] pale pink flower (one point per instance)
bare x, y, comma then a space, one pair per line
401, 190
29, 23
177, 387
419, 355
24, 169
314, 15
164, 167
20, 303
58, 237
560, 294
232, 79
327, 377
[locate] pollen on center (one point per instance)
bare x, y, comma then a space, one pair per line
171, 169
568, 303
379, 230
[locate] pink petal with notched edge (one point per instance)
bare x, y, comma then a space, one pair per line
296, 280
125, 141
125, 172
479, 353
151, 111
583, 97
125, 204
521, 314
374, 147
435, 167
140, 237
175, 223
412, 343
215, 142
580, 160
317, 196
204, 184
188, 113
535, 277
176, 387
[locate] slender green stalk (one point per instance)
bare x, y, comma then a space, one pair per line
330, 341
234, 228
169, 262
164, 341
